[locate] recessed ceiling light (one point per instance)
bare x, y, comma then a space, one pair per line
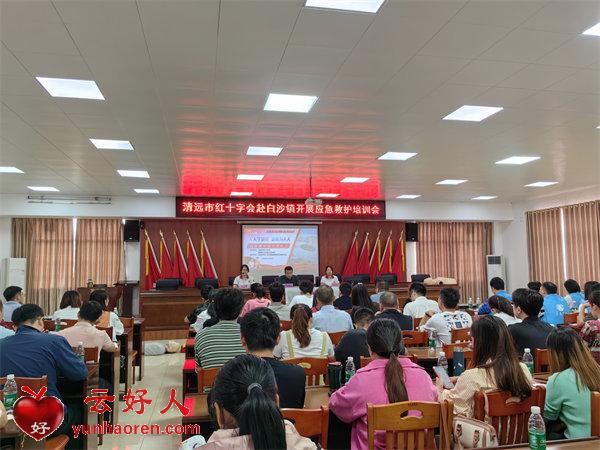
111, 144
593, 31
598, 127
134, 173
64, 87
485, 197
43, 188
408, 196
369, 6
518, 160
290, 103
240, 194
470, 113
354, 180
451, 182
396, 156
10, 169
264, 151
246, 176
324, 195
541, 184
147, 191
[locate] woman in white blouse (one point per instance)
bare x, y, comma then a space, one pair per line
502, 309
329, 279
69, 306
243, 280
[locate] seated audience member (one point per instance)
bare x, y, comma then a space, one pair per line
221, 342
531, 333
568, 392
388, 305
69, 306
574, 298
590, 333
209, 316
108, 318
4, 331
289, 279
205, 291
303, 340
329, 279
588, 288
496, 366
555, 307
497, 285
306, 294
380, 287
419, 304
442, 323
328, 318
387, 379
243, 280
260, 330
14, 297
354, 342
85, 331
534, 286
502, 309
277, 292
360, 298
244, 403
584, 310
260, 299
344, 302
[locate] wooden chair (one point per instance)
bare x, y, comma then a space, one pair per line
541, 360
364, 360
570, 319
314, 369
128, 322
89, 353
415, 338
449, 349
595, 414
206, 378
190, 348
416, 322
35, 384
310, 422
411, 432
68, 323
56, 443
286, 325
460, 334
109, 331
507, 414
336, 337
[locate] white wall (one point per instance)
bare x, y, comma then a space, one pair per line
4, 243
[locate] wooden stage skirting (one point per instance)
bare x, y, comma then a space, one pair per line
164, 311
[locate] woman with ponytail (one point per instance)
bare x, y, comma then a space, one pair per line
387, 379
245, 405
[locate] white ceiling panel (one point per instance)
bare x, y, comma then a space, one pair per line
523, 45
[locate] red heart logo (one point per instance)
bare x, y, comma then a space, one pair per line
36, 416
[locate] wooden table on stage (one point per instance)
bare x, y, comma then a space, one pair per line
128, 287
164, 312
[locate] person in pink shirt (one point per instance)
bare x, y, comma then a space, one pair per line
387, 379
259, 300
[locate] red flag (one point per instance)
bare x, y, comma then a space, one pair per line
193, 263
399, 262
180, 267
165, 260
375, 260
152, 272
208, 268
385, 265
352, 260
363, 260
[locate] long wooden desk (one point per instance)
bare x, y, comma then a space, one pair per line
579, 444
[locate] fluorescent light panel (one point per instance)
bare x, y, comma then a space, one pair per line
251, 177
111, 144
518, 160
68, 88
368, 6
264, 151
541, 184
325, 195
354, 180
134, 173
593, 31
470, 113
396, 156
408, 196
147, 191
290, 103
10, 169
43, 188
240, 194
451, 182
485, 197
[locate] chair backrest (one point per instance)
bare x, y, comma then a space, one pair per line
419, 277
310, 278
336, 337
364, 360
230, 281
127, 321
414, 338
410, 432
570, 318
460, 334
89, 353
35, 384
109, 331
310, 422
68, 322
266, 280
206, 377
542, 360
84, 293
391, 278
508, 415
595, 414
114, 294
416, 322
449, 349
286, 325
314, 369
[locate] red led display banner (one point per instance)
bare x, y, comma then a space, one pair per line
274, 209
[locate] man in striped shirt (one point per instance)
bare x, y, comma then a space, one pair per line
221, 342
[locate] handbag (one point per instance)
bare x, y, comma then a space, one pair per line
473, 433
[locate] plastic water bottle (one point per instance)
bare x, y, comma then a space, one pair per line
431, 340
350, 369
442, 361
479, 300
470, 304
10, 393
528, 359
57, 325
536, 430
80, 351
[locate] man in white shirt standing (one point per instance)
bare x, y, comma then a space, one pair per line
419, 303
449, 319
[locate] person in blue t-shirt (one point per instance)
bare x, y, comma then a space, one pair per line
555, 307
497, 285
574, 298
